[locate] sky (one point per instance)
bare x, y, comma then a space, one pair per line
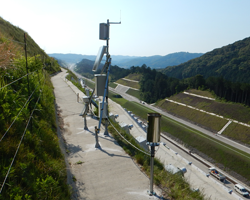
148, 27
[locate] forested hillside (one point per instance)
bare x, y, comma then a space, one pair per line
32, 165
154, 85
232, 62
85, 68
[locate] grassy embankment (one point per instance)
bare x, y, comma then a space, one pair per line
135, 77
135, 93
201, 92
237, 112
129, 83
38, 170
230, 157
113, 85
89, 84
7, 30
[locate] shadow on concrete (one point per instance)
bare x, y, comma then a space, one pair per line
74, 149
110, 139
111, 154
77, 187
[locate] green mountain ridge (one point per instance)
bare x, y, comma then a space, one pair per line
232, 62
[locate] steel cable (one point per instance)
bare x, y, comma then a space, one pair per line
128, 141
18, 79
19, 113
20, 142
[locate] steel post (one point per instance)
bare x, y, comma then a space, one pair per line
151, 192
106, 128
97, 145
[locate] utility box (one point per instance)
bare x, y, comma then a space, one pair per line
100, 82
142, 142
103, 31
104, 113
154, 127
85, 99
87, 91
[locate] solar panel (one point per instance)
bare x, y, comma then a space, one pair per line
99, 56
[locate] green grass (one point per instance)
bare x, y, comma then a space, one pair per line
129, 83
234, 111
230, 157
135, 93
238, 132
90, 84
113, 85
17, 34
205, 120
135, 77
201, 92
39, 170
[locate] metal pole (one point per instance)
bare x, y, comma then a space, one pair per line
85, 121
151, 192
27, 70
97, 145
107, 57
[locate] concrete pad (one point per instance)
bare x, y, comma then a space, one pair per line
105, 173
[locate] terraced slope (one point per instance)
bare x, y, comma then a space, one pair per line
128, 83
233, 111
237, 112
134, 77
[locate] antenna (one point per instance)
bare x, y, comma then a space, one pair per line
120, 16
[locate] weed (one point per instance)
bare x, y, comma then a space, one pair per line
68, 151
79, 162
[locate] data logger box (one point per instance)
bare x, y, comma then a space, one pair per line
103, 31
154, 127
100, 82
104, 113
